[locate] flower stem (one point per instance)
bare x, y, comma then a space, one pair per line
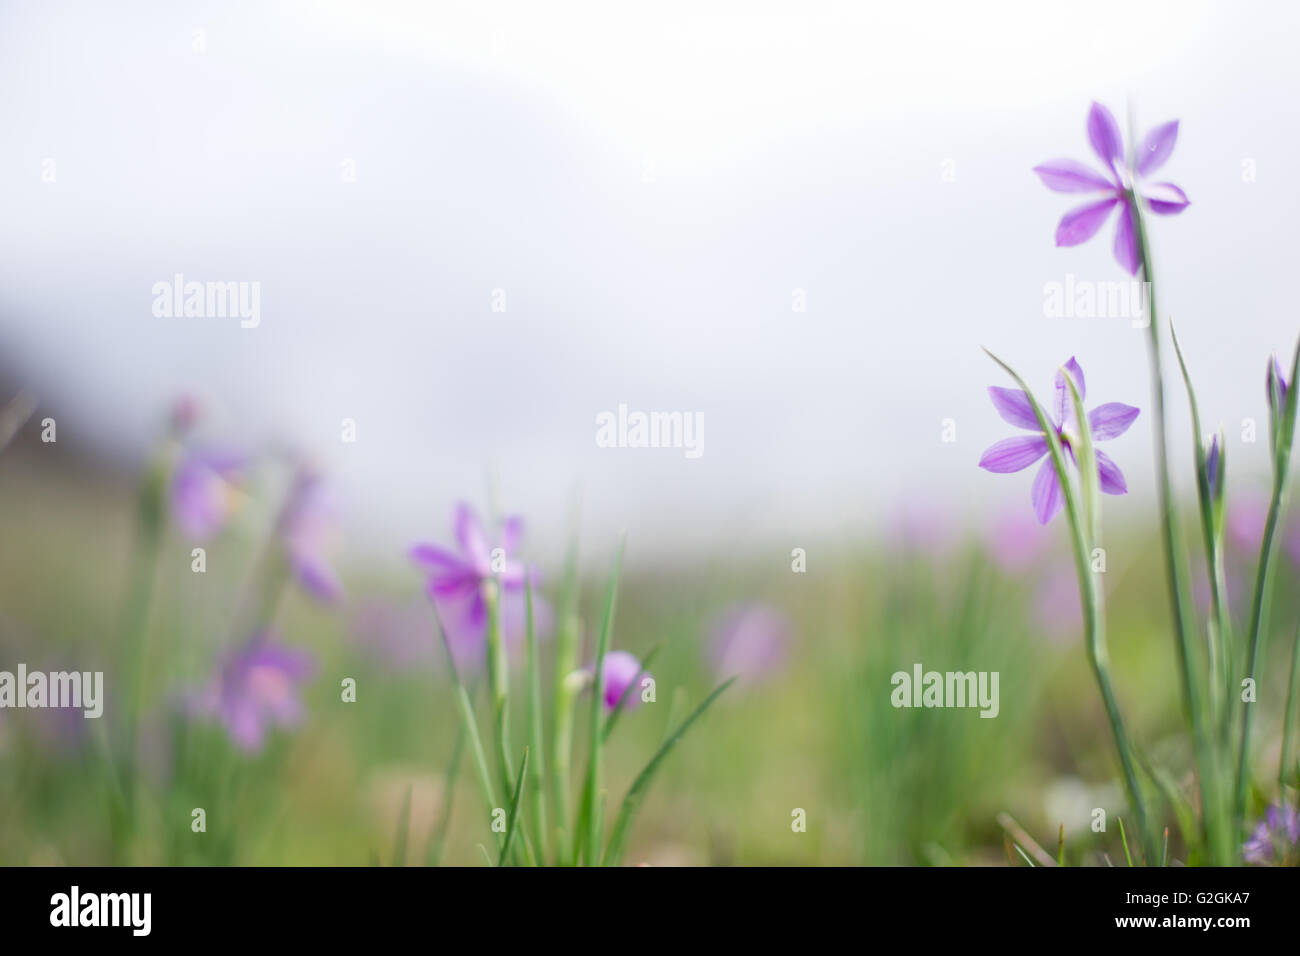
1175, 568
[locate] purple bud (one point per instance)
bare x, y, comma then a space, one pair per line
621, 669
1213, 469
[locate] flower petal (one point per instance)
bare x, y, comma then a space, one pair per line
1126, 248
1069, 176
1111, 420
1166, 199
1112, 479
1157, 146
1013, 454
1047, 495
448, 574
469, 535
1104, 134
1013, 405
1080, 225
1064, 404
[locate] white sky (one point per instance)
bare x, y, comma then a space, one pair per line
649, 184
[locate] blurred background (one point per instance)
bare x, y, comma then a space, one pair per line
475, 227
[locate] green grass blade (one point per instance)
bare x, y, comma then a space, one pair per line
512, 819
537, 774
468, 722
587, 827
636, 792
1123, 839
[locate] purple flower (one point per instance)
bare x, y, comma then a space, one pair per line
256, 688
1016, 541
1015, 454
621, 669
308, 532
1068, 176
204, 491
1275, 838
751, 640
456, 579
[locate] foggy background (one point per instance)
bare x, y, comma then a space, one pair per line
649, 185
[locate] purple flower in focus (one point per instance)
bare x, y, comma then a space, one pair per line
205, 491
255, 689
456, 579
1015, 454
621, 669
1113, 185
1275, 838
308, 532
751, 640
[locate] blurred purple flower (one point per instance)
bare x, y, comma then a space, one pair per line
1275, 838
399, 636
750, 640
1015, 454
456, 579
1016, 541
1247, 513
308, 531
1068, 176
205, 491
256, 688
620, 669
1057, 610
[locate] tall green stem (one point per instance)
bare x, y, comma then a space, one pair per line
1175, 567
1288, 717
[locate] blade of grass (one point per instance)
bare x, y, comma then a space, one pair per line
632, 801
1123, 838
562, 700
468, 722
587, 828
537, 774
512, 820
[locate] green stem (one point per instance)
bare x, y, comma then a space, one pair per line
1175, 569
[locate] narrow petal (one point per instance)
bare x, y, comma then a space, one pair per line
1014, 454
1080, 225
1104, 134
1111, 420
1156, 148
1166, 199
1126, 248
1065, 404
1112, 479
1069, 176
469, 535
1047, 495
1013, 405
512, 533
